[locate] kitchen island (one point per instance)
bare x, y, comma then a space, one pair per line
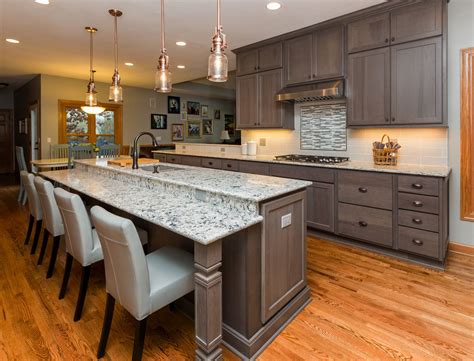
249, 242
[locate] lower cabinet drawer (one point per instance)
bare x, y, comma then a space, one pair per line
173, 159
194, 161
215, 163
416, 202
230, 165
428, 222
254, 167
417, 241
160, 157
365, 223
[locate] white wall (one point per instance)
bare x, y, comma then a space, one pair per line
6, 99
136, 109
460, 35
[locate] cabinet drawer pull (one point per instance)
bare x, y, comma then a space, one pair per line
210, 163
229, 165
417, 186
362, 189
417, 242
417, 221
418, 203
362, 224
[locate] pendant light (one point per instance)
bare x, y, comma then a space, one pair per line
91, 95
163, 74
218, 65
115, 90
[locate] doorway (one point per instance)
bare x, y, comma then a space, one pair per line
6, 141
34, 137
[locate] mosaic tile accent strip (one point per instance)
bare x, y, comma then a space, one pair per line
323, 127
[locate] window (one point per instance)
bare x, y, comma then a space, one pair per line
76, 126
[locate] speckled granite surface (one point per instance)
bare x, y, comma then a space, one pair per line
201, 204
413, 169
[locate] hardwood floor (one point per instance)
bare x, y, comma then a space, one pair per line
365, 306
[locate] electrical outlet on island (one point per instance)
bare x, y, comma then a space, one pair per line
263, 142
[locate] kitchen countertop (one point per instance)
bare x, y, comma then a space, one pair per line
412, 169
179, 198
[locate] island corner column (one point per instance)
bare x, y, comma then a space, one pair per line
208, 300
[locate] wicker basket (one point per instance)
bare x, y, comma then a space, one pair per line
385, 156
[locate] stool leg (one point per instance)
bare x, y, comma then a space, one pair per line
82, 292
67, 272
139, 340
36, 237
30, 229
54, 255
109, 314
44, 244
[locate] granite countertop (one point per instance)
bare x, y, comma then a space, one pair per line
412, 169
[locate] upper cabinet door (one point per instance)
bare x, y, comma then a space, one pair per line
417, 82
247, 62
247, 101
368, 88
270, 110
328, 53
417, 21
298, 54
270, 57
368, 33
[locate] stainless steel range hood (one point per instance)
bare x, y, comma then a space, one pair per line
312, 92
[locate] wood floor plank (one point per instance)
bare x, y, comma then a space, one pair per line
365, 306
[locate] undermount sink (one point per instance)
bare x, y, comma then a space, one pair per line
159, 168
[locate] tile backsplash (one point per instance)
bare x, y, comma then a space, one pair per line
427, 146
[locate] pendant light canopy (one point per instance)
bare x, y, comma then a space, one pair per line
163, 74
115, 90
91, 95
218, 66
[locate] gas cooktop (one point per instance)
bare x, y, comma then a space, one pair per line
311, 159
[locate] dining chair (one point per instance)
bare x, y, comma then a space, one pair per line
20, 159
36, 213
109, 151
141, 283
82, 243
59, 151
53, 222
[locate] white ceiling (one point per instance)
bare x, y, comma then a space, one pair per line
53, 39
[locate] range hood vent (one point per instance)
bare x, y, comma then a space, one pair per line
312, 92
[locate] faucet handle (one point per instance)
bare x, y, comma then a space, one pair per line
156, 168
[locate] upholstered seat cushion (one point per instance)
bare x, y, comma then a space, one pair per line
171, 273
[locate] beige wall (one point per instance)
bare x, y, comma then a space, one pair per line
136, 108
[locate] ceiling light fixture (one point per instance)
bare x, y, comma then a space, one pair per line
128, 64
42, 2
181, 43
163, 74
115, 90
181, 67
217, 65
13, 41
273, 5
91, 95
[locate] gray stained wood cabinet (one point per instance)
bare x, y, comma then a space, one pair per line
368, 33
265, 58
315, 56
320, 206
256, 104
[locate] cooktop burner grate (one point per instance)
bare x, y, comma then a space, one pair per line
311, 159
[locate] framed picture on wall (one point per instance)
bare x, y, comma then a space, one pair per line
183, 106
204, 110
193, 108
173, 105
184, 116
159, 121
193, 129
207, 127
217, 114
229, 123
177, 132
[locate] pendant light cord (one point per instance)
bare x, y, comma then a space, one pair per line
163, 50
116, 42
219, 15
92, 56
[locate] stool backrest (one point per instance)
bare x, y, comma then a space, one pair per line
59, 151
126, 271
82, 151
33, 200
20, 158
51, 214
77, 226
109, 150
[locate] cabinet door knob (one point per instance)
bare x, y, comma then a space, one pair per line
362, 189
362, 224
417, 221
254, 68
417, 242
210, 163
418, 203
393, 119
309, 76
386, 40
229, 166
393, 38
387, 119
417, 186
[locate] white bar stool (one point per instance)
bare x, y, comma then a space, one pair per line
36, 213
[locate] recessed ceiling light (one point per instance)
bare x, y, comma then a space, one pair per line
42, 2
181, 43
273, 5
13, 41
181, 67
129, 64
